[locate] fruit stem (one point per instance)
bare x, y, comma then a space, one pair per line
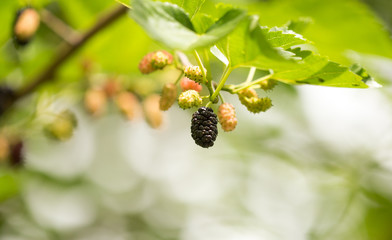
221, 98
251, 74
246, 85
208, 82
208, 65
222, 82
200, 63
208, 104
179, 78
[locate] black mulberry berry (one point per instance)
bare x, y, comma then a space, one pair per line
204, 127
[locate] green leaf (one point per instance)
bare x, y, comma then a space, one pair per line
191, 7
248, 46
283, 37
299, 25
366, 78
318, 70
170, 25
261, 47
202, 22
160, 21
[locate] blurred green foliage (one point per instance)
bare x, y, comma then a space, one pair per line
353, 202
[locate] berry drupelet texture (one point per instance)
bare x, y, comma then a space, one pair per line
204, 127
189, 99
227, 117
194, 73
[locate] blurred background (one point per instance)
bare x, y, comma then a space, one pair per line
316, 166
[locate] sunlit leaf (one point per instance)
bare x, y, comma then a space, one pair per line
318, 70
170, 25
191, 7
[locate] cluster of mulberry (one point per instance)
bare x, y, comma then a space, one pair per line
106, 92
204, 127
204, 121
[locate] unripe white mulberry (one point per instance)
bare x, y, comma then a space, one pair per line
189, 99
227, 117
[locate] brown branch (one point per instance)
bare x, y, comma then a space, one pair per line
65, 51
59, 27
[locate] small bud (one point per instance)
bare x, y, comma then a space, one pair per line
187, 84
153, 114
189, 99
4, 148
154, 61
168, 97
128, 104
268, 84
62, 127
26, 24
194, 73
95, 101
227, 117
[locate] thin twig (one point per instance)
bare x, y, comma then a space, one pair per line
59, 27
65, 51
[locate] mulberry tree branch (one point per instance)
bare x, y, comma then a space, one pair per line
59, 27
65, 51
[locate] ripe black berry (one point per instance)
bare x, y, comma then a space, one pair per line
204, 127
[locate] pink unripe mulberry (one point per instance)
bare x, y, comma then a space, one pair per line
95, 101
152, 113
188, 84
154, 61
128, 104
227, 117
168, 97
